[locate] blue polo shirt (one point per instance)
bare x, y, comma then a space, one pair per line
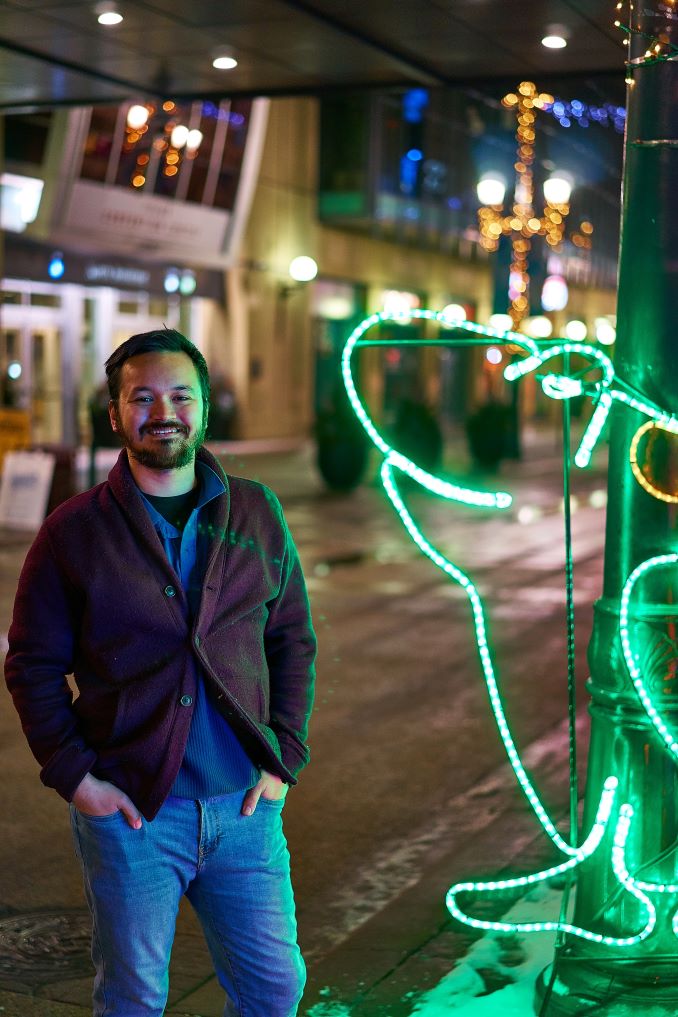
215, 762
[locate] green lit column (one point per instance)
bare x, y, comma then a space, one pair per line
639, 526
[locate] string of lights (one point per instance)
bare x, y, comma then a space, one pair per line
659, 47
559, 386
631, 656
574, 111
652, 428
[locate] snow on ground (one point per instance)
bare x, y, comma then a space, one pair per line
516, 958
500, 955
459, 991
329, 1010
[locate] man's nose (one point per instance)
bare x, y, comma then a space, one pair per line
163, 408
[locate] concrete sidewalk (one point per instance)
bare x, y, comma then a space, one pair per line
374, 942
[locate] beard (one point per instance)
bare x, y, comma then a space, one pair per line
166, 453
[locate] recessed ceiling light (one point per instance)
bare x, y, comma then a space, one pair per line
556, 37
107, 13
223, 59
554, 42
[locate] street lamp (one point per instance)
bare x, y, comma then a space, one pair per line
302, 270
521, 223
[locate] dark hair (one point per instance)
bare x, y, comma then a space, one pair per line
161, 340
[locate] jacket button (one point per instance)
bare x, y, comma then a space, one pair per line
170, 591
186, 700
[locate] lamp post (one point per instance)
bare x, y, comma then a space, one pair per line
521, 223
640, 977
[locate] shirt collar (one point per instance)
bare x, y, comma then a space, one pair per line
211, 487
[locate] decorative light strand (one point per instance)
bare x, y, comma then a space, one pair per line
593, 431
573, 111
562, 386
667, 420
650, 425
558, 386
585, 851
445, 489
631, 658
577, 854
458, 576
595, 426
659, 48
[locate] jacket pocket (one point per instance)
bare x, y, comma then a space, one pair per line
249, 693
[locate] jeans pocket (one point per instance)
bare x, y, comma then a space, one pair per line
98, 819
275, 802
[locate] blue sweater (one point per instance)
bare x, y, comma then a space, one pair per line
215, 762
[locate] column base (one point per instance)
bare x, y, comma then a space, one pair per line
632, 988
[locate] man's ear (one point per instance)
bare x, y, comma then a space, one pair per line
112, 415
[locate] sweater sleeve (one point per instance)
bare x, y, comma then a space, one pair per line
290, 644
40, 656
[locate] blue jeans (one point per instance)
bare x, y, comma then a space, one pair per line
234, 870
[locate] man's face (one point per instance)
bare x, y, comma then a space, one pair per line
160, 414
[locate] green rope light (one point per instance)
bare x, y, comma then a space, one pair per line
456, 574
445, 489
630, 657
585, 851
562, 387
567, 388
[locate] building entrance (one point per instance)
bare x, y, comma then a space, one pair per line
31, 357
54, 340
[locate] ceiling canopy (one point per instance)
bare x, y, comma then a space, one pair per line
54, 52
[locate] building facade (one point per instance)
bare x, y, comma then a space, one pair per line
207, 249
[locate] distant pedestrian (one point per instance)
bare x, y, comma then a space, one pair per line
173, 594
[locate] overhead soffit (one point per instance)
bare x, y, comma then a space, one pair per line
55, 53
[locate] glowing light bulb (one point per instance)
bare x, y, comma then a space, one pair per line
224, 59
538, 327
107, 13
576, 330
455, 312
172, 280
179, 136
187, 283
605, 331
57, 266
558, 188
554, 42
554, 293
502, 322
193, 140
491, 189
303, 268
137, 116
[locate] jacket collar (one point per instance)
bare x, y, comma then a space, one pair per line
127, 495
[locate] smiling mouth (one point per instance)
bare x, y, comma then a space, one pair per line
164, 432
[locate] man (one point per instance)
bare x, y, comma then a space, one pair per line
174, 596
